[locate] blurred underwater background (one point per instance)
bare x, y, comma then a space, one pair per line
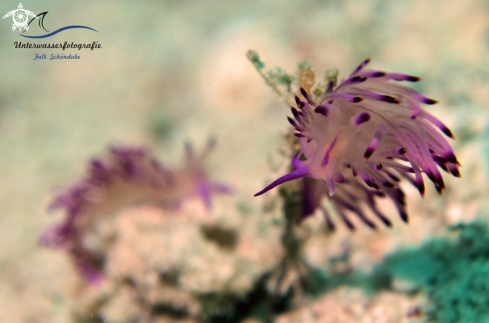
175, 71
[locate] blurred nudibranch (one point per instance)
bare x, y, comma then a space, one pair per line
127, 176
360, 137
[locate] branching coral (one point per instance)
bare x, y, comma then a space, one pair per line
127, 176
365, 134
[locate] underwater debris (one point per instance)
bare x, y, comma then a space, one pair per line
127, 176
359, 139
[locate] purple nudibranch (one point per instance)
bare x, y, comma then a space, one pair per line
127, 176
359, 139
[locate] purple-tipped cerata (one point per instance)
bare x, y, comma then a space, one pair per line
360, 138
126, 176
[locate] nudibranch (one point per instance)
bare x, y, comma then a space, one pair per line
127, 176
369, 129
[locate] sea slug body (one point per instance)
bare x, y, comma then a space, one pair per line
367, 129
127, 176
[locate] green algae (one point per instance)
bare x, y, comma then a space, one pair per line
453, 274
460, 290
